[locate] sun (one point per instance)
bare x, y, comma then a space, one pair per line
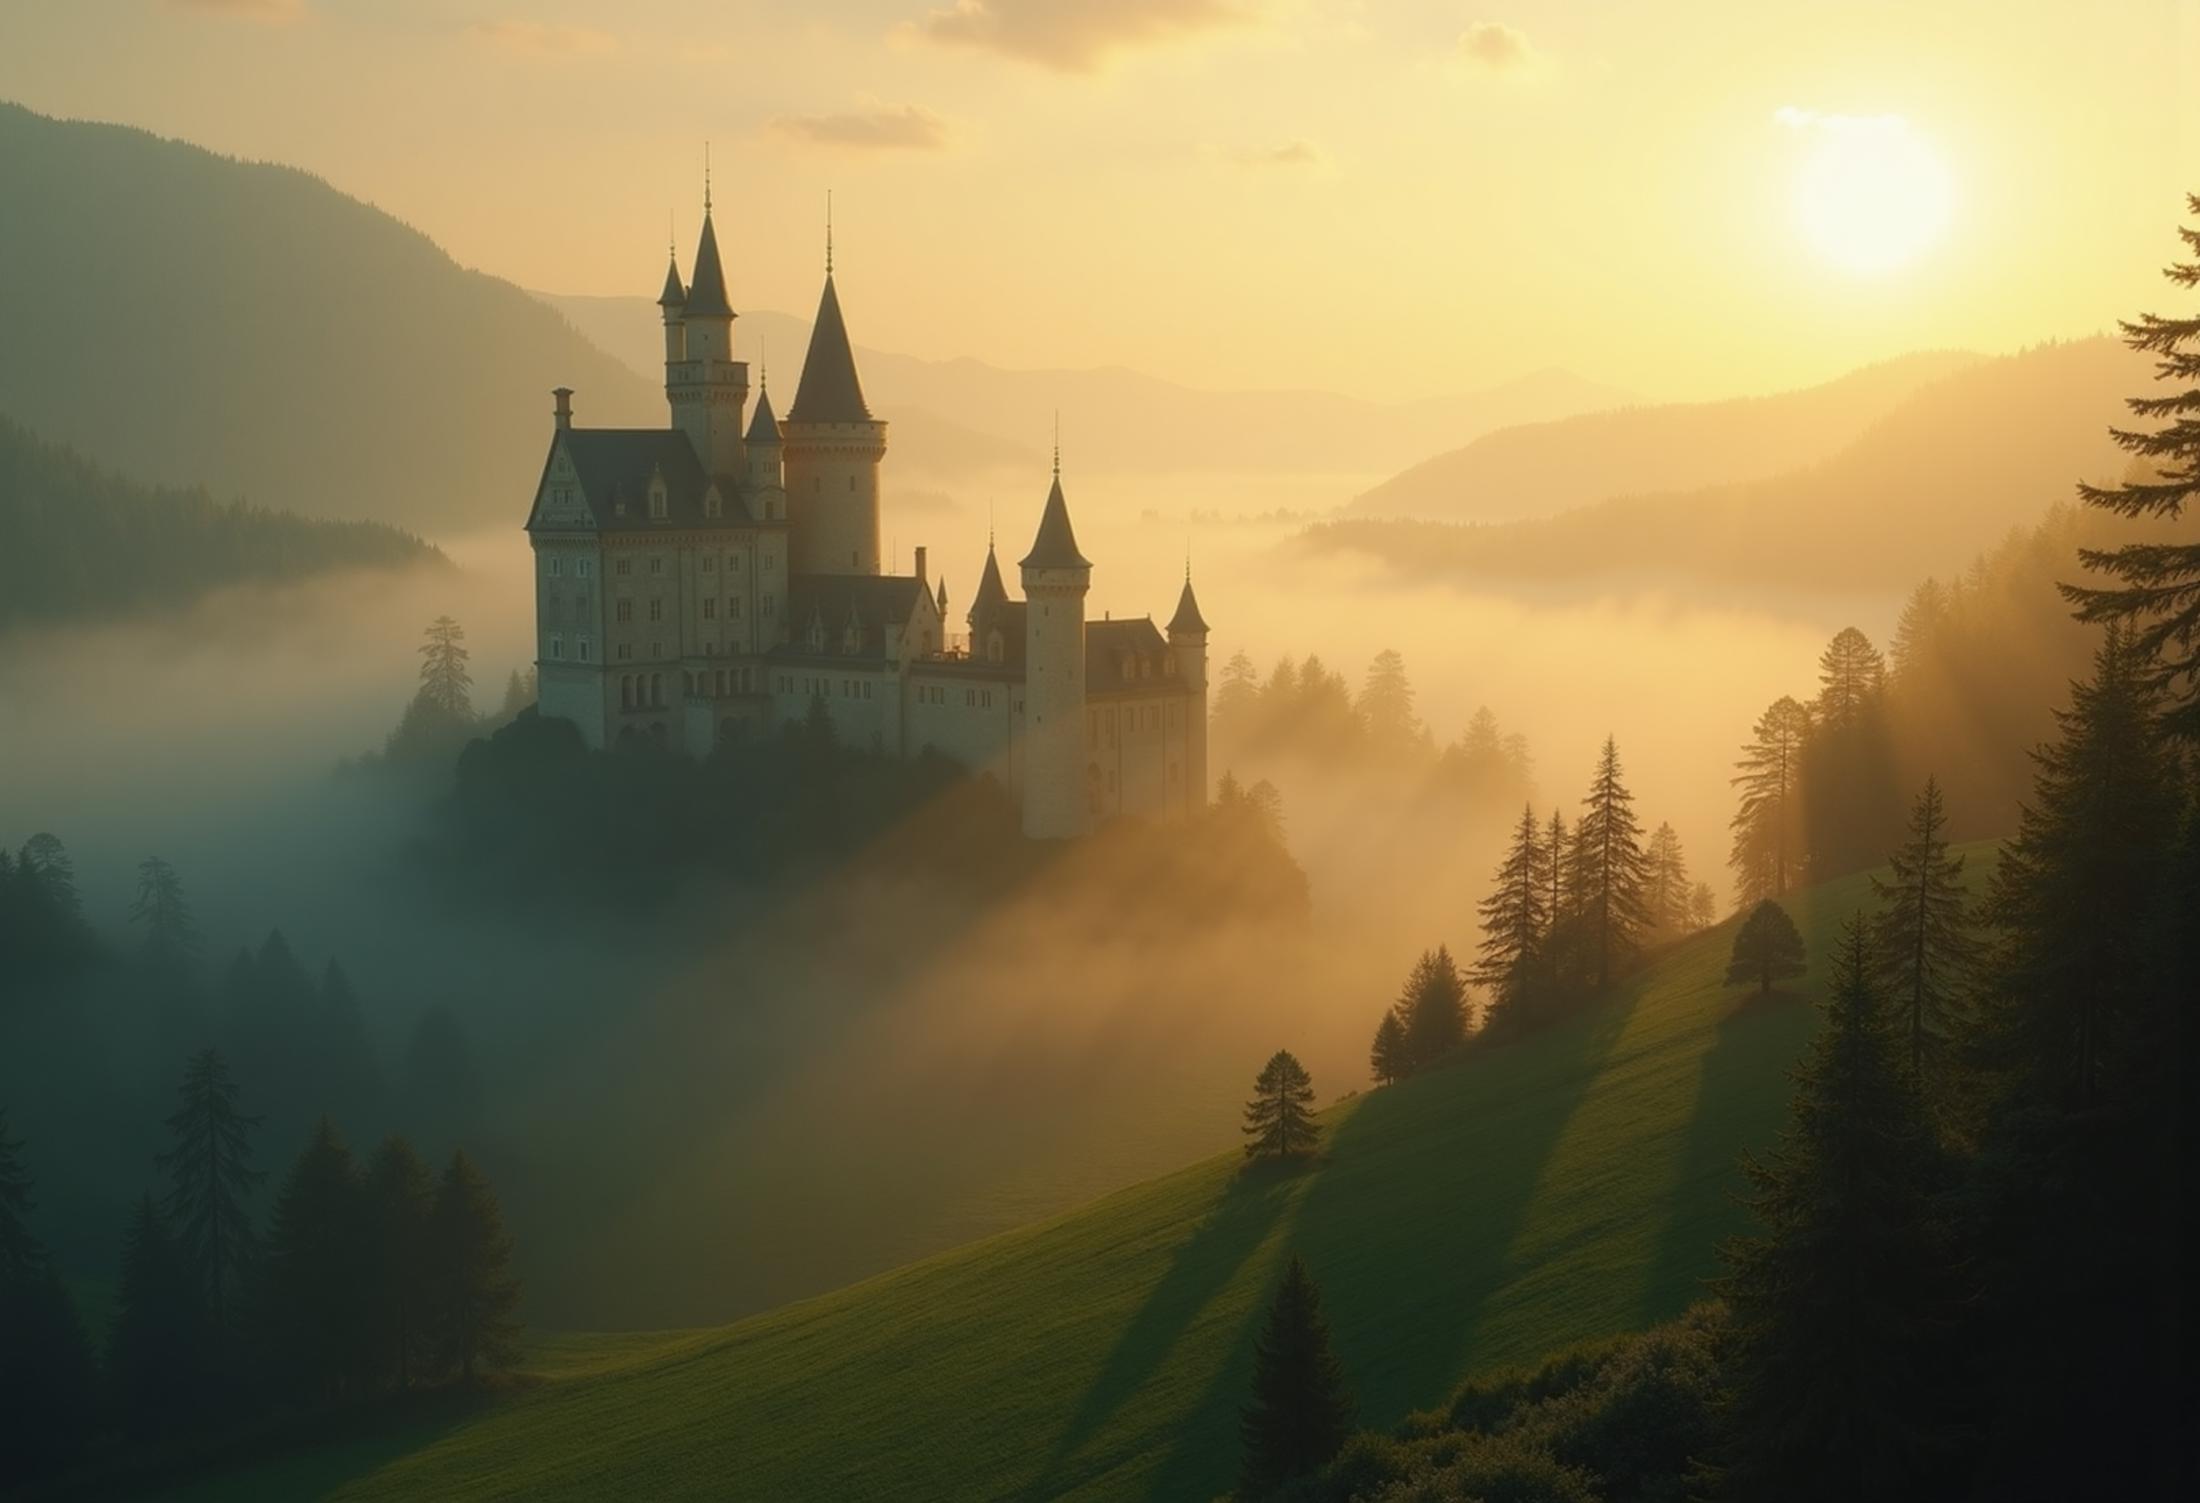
1871, 194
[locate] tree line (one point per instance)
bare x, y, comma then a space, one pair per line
365, 1279
1964, 1277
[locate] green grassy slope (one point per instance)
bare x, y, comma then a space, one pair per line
1569, 1186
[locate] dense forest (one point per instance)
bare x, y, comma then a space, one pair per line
84, 544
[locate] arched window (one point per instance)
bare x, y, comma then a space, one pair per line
656, 689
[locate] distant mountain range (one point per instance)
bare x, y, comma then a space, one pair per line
1537, 469
953, 416
83, 544
1947, 470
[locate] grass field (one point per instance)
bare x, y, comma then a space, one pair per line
1565, 1187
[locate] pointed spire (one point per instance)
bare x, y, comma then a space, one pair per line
674, 294
828, 234
829, 391
1055, 547
991, 591
706, 295
764, 424
1187, 618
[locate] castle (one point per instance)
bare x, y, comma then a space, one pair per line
715, 579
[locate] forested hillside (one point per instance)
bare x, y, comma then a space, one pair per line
84, 544
175, 312
1942, 476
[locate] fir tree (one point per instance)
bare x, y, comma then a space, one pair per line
47, 859
171, 937
1514, 915
318, 1275
1433, 1009
1237, 698
401, 1198
1850, 806
1666, 899
1767, 856
2158, 594
1767, 948
1851, 676
154, 1351
474, 1300
1923, 615
1703, 906
1387, 1058
48, 1381
1618, 873
211, 1176
1301, 1413
1841, 1304
1557, 849
1386, 705
1279, 1120
1922, 939
446, 684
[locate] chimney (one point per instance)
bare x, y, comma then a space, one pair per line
920, 563
564, 394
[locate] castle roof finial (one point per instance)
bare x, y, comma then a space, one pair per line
828, 232
706, 177
1057, 443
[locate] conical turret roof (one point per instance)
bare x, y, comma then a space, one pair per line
829, 391
764, 424
1056, 545
674, 294
1187, 617
706, 297
991, 591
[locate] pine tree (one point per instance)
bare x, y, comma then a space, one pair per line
48, 1379
211, 1173
45, 856
1514, 915
1923, 615
1387, 1058
1850, 805
473, 1322
1922, 940
1703, 906
401, 1197
1301, 1413
1557, 849
1851, 676
155, 1349
1767, 948
1279, 1120
318, 1286
1618, 872
1386, 705
2073, 896
171, 937
1768, 854
2158, 596
1237, 699
1433, 1009
446, 684
1666, 899
1841, 1305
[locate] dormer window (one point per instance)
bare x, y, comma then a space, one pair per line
995, 647
851, 639
657, 502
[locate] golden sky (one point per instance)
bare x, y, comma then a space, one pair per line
1388, 197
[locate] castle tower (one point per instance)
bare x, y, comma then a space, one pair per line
705, 386
1056, 577
1188, 641
833, 450
763, 444
672, 302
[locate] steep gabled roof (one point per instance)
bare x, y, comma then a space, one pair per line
829, 391
764, 424
1056, 545
1187, 617
614, 466
1127, 656
706, 297
872, 601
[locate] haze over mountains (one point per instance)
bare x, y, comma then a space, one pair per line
1536, 469
1946, 471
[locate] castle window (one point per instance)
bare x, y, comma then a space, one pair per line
656, 607
557, 566
656, 566
657, 502
580, 568
626, 651
710, 563
733, 608
626, 566
710, 610
767, 605
626, 610
584, 649
557, 647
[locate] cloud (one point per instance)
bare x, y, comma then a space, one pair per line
542, 41
1495, 46
267, 12
882, 129
1289, 154
1074, 36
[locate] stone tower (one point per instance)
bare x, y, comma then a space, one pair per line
833, 447
704, 385
1057, 803
1188, 641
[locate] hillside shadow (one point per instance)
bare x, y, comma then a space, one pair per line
1203, 1265
1741, 1102
1405, 1295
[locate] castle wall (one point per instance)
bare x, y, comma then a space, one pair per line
976, 721
1137, 753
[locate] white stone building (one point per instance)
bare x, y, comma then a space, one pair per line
713, 579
